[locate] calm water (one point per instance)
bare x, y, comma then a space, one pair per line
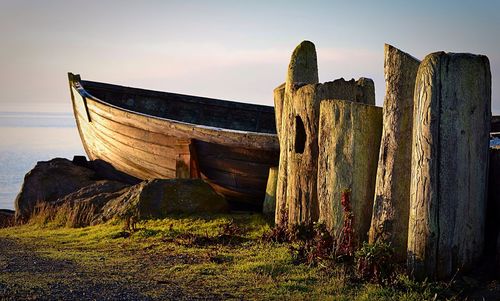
26, 138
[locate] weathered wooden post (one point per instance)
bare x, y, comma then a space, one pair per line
296, 196
303, 156
349, 141
449, 164
303, 69
269, 205
392, 188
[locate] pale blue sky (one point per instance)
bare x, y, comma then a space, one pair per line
236, 50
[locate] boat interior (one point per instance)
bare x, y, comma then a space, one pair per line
185, 108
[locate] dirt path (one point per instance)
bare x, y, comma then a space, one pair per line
26, 275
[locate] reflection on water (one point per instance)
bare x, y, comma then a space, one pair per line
26, 138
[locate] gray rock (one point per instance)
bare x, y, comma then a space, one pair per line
157, 198
49, 181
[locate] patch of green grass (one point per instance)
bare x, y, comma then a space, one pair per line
164, 249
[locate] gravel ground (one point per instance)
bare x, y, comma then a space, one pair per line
26, 275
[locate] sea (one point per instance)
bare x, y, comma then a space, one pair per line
29, 137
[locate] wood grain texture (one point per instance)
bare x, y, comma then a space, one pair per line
299, 199
392, 190
452, 111
302, 167
297, 114
349, 140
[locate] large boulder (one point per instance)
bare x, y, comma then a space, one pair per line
49, 181
6, 218
159, 197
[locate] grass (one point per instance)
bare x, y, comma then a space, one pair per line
223, 255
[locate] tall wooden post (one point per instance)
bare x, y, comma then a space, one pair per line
449, 164
303, 69
392, 189
349, 140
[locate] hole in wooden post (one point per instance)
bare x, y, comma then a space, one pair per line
300, 135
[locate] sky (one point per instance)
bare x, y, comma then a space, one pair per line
235, 50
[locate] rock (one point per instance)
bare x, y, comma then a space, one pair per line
392, 189
7, 218
349, 141
47, 182
448, 187
269, 206
157, 198
75, 195
82, 207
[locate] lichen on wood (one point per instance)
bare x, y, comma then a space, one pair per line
452, 111
349, 139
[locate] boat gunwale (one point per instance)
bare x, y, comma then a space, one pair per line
216, 102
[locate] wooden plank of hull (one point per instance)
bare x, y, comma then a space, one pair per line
236, 181
233, 194
129, 160
184, 130
216, 151
133, 133
160, 158
242, 168
158, 152
131, 152
242, 171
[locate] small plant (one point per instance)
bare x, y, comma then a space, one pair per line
375, 262
345, 240
280, 233
314, 242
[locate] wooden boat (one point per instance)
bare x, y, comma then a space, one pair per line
150, 134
